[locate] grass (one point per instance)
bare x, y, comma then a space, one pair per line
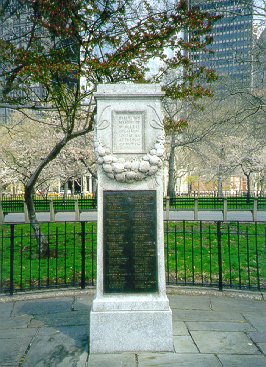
191, 250
62, 267
192, 254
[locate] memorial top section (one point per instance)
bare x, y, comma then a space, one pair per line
129, 136
128, 91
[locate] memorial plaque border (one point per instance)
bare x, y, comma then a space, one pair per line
127, 249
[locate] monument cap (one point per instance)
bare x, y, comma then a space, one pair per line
128, 90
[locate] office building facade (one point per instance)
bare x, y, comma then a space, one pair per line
232, 46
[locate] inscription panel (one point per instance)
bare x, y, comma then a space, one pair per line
129, 242
128, 132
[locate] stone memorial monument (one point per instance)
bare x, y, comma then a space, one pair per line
131, 310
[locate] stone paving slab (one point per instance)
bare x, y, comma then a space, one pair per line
196, 315
256, 319
211, 332
224, 342
15, 322
5, 310
184, 344
59, 348
220, 325
81, 303
246, 305
113, 360
37, 307
258, 337
190, 302
242, 361
12, 351
15, 333
176, 360
262, 347
179, 328
72, 318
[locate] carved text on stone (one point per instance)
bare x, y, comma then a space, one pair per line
128, 132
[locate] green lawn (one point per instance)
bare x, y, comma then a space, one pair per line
192, 253
63, 264
191, 250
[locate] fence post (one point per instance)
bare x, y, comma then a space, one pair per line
2, 217
167, 207
255, 209
196, 208
11, 284
220, 264
77, 211
52, 213
225, 209
82, 282
26, 214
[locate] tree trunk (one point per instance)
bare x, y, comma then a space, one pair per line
171, 170
72, 186
220, 187
65, 191
40, 238
29, 192
262, 185
248, 187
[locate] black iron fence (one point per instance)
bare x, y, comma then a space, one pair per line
62, 255
16, 204
215, 254
219, 254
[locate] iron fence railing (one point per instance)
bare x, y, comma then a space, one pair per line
215, 254
220, 254
63, 255
44, 204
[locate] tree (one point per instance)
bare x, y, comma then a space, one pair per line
24, 143
234, 139
70, 46
249, 156
250, 100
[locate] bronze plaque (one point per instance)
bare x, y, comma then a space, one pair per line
129, 241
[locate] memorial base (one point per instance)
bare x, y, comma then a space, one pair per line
131, 331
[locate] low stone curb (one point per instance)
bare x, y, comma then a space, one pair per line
171, 290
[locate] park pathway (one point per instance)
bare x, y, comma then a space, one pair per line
211, 329
173, 215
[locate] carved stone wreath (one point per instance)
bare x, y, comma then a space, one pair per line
122, 170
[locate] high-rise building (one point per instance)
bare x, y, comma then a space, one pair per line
232, 39
259, 69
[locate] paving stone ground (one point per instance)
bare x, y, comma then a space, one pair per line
210, 330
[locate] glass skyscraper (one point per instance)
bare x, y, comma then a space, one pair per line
232, 39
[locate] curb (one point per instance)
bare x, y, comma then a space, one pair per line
171, 290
